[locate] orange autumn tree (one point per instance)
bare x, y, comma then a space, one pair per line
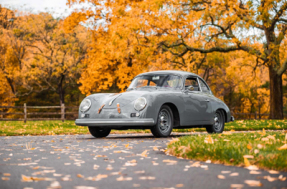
38, 55
184, 30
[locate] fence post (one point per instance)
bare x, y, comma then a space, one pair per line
255, 115
63, 112
25, 113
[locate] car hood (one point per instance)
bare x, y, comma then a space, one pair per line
110, 100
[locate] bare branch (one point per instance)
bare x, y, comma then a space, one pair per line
283, 68
278, 15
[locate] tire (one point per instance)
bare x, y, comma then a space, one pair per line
219, 122
99, 132
164, 123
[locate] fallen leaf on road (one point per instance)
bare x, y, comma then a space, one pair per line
26, 179
273, 172
5, 178
252, 167
147, 178
282, 178
144, 153
236, 186
225, 172
121, 178
139, 172
80, 176
234, 174
54, 185
221, 177
253, 183
84, 187
96, 167
155, 148
270, 179
6, 174
179, 185
169, 161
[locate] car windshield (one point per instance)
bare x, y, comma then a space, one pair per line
163, 81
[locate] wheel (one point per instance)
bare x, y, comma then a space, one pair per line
164, 123
99, 132
218, 125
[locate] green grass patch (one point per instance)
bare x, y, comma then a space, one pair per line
230, 149
246, 125
14, 128
11, 128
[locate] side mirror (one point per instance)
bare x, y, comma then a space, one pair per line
190, 88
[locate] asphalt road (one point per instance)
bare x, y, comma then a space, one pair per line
118, 161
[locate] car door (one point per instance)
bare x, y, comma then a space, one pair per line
208, 98
195, 104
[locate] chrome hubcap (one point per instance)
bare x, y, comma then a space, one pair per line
164, 121
217, 122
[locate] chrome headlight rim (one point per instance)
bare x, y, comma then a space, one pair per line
143, 105
88, 106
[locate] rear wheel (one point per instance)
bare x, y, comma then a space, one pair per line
99, 132
218, 125
164, 124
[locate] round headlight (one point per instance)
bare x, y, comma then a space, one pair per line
140, 103
85, 105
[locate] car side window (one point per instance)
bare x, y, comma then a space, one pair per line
191, 82
204, 87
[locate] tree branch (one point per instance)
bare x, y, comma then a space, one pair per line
277, 16
283, 68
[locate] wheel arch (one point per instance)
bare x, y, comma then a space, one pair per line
174, 109
225, 114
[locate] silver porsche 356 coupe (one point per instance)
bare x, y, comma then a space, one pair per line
159, 101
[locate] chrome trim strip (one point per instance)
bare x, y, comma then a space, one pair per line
115, 122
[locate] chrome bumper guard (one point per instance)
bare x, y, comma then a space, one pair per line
115, 122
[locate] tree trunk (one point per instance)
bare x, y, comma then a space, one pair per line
61, 90
276, 95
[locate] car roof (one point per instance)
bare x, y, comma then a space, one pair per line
182, 73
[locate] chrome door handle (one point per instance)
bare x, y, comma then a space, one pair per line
206, 100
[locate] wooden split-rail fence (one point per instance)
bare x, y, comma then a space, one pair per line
63, 113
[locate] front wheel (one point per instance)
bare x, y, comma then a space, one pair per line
99, 132
164, 124
218, 125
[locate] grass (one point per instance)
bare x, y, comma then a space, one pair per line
11, 128
230, 149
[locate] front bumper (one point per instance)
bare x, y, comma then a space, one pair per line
115, 122
232, 118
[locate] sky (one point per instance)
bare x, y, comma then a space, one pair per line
58, 7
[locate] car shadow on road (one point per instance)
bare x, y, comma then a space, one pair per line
129, 136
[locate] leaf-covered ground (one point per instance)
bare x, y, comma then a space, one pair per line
255, 149
12, 128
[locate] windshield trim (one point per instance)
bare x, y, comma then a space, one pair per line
181, 78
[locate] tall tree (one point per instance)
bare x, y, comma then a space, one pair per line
177, 31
